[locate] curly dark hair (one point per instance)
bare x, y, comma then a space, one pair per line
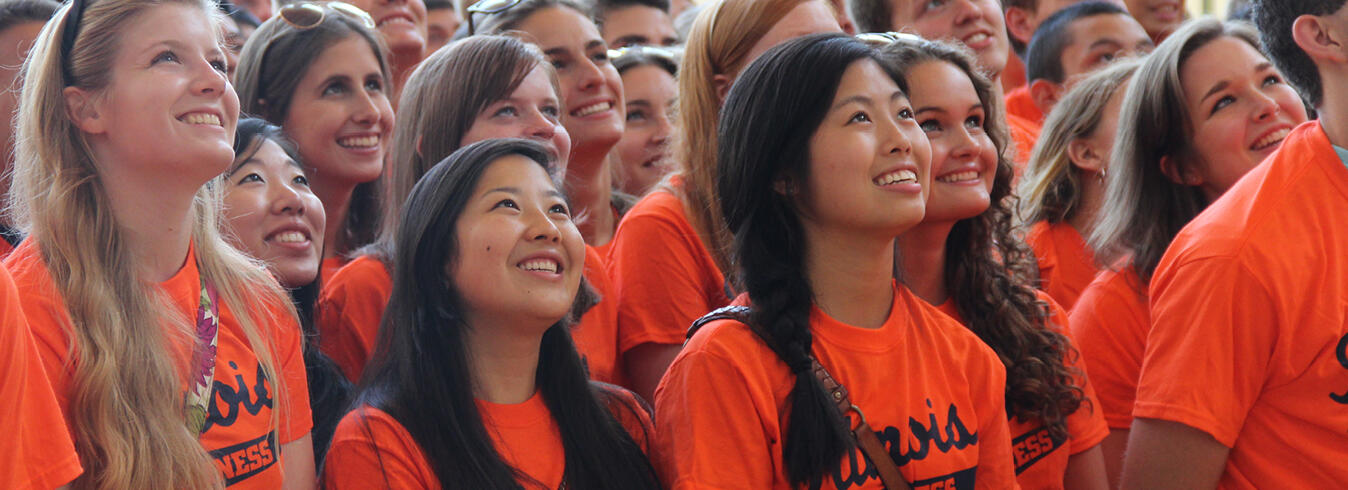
990, 272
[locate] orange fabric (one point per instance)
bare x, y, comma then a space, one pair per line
1039, 462
5, 249
1066, 263
1021, 104
352, 304
372, 450
35, 454
329, 268
663, 275
1110, 322
239, 432
1249, 336
932, 391
1013, 76
1024, 133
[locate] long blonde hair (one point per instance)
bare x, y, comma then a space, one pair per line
1051, 188
125, 397
718, 44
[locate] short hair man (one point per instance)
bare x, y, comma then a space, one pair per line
1074, 42
635, 22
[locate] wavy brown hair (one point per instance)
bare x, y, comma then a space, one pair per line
989, 271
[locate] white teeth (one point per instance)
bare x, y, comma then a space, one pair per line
201, 118
402, 20
1270, 140
546, 265
290, 237
959, 177
898, 176
358, 141
592, 109
976, 38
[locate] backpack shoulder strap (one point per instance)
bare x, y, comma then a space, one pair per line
732, 312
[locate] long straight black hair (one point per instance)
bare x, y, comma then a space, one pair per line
765, 130
420, 373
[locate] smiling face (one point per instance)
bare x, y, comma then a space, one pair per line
591, 86
531, 111
964, 159
169, 108
516, 234
978, 24
1099, 40
274, 216
402, 23
1240, 110
1158, 17
340, 116
869, 163
639, 25
644, 151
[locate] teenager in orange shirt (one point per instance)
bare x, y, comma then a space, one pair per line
963, 257
479, 88
175, 360
820, 165
1244, 382
1064, 184
318, 71
1200, 112
1076, 41
509, 403
271, 214
668, 257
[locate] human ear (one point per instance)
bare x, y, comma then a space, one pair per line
1319, 40
1018, 24
1085, 155
722, 84
1045, 94
82, 108
1171, 168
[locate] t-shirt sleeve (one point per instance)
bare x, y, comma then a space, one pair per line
38, 452
660, 281
347, 316
709, 426
1110, 325
1208, 353
371, 450
297, 418
1086, 426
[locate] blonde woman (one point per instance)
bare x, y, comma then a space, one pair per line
1064, 183
175, 359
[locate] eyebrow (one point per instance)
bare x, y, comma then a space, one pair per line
1220, 86
254, 161
639, 102
516, 190
632, 39
1104, 42
862, 99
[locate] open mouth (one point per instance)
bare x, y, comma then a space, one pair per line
541, 265
904, 176
290, 237
957, 177
359, 142
594, 108
976, 38
396, 19
1271, 140
202, 118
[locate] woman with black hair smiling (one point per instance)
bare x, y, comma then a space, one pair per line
821, 165
509, 403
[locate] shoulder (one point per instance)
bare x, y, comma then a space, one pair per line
657, 208
363, 271
369, 425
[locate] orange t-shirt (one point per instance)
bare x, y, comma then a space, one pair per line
1249, 336
239, 433
1024, 133
663, 275
1110, 322
1066, 263
933, 392
5, 249
352, 304
329, 268
1013, 76
372, 450
1039, 462
34, 455
1020, 104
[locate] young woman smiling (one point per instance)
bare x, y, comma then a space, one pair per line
821, 165
155, 333
509, 405
964, 258
318, 71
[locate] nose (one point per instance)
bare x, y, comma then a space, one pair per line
588, 75
539, 127
1266, 107
664, 127
893, 141
367, 108
965, 11
210, 81
963, 144
285, 200
541, 226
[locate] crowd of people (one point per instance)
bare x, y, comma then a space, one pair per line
639, 244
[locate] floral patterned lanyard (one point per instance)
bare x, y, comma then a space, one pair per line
203, 358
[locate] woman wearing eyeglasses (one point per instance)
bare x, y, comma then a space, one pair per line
651, 88
175, 359
319, 72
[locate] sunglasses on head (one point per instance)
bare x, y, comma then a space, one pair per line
488, 7
308, 15
878, 39
638, 50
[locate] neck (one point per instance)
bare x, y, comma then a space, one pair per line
1333, 112
1092, 197
589, 185
503, 360
850, 275
153, 216
336, 199
922, 258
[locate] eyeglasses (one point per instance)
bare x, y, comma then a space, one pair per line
308, 15
878, 39
69, 31
488, 7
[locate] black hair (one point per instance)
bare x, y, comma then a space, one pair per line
15, 12
764, 132
1274, 19
871, 15
423, 332
329, 390
1043, 58
601, 8
439, 4
240, 16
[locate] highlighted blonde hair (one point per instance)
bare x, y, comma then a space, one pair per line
126, 389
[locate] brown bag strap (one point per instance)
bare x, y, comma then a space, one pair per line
870, 445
